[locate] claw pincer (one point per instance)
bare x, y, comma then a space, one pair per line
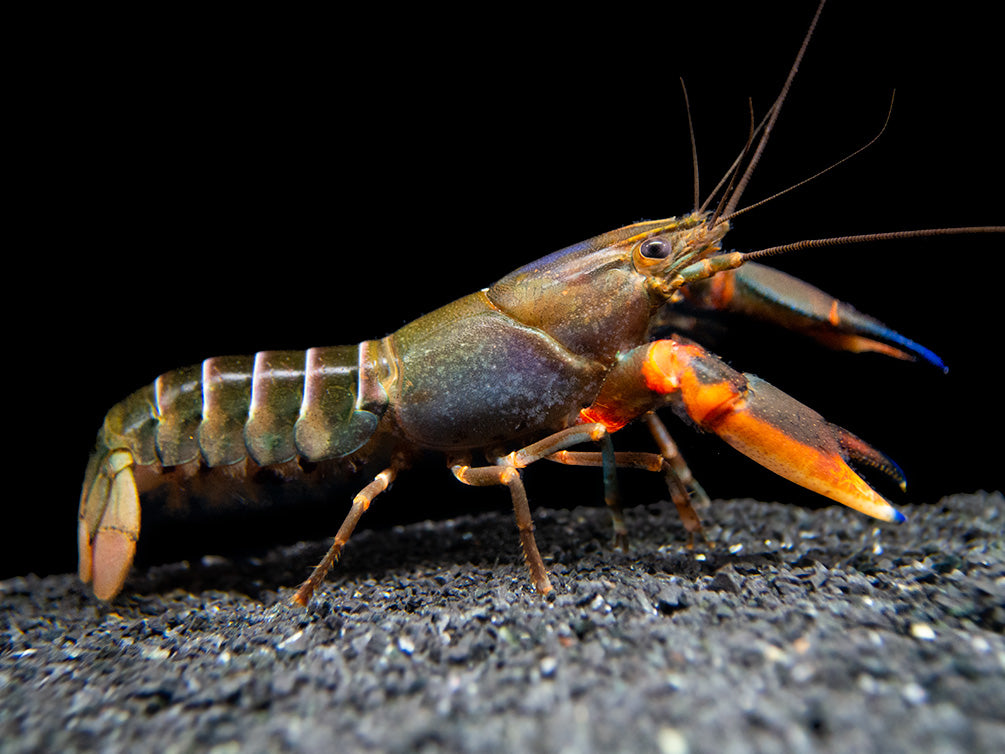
753, 416
764, 293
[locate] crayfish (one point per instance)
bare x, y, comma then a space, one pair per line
561, 352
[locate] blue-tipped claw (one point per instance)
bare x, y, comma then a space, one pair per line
914, 349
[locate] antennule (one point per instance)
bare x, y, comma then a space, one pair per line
694, 147
819, 173
733, 169
775, 110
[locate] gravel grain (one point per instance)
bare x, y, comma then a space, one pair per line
796, 630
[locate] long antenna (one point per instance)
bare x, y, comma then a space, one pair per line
817, 243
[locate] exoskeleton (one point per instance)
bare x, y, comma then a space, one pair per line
561, 352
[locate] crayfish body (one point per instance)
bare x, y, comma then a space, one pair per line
563, 351
555, 354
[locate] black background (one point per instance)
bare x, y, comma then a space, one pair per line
197, 187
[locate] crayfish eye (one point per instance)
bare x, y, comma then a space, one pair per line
655, 248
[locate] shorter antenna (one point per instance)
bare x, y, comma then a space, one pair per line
694, 147
819, 173
775, 110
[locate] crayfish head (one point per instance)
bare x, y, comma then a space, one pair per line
596, 298
679, 251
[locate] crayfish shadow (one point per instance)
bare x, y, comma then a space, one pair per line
427, 523
427, 517
397, 553
438, 556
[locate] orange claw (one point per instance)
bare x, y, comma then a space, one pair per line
808, 454
769, 426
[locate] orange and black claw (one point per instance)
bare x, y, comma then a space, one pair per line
769, 426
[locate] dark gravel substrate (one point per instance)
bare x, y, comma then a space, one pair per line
799, 631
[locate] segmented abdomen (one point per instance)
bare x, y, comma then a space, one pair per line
272, 407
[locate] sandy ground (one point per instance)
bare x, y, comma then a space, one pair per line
796, 630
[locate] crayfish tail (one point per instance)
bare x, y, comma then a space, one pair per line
109, 524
